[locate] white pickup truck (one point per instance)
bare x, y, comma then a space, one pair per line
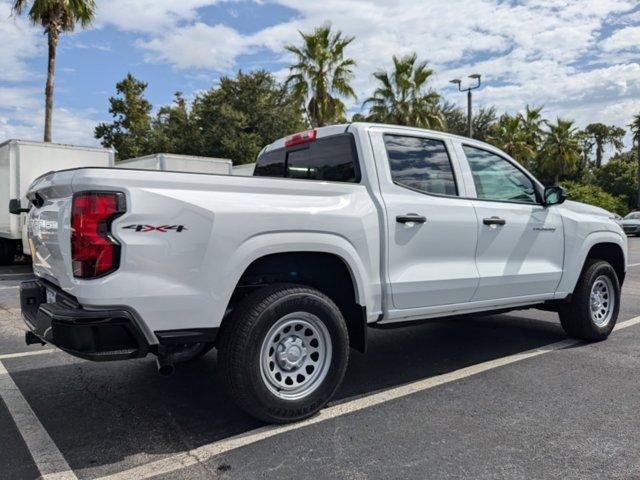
340, 229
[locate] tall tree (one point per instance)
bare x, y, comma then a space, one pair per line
55, 16
619, 178
172, 128
241, 116
532, 125
635, 131
402, 98
321, 75
560, 153
509, 135
130, 131
483, 121
603, 135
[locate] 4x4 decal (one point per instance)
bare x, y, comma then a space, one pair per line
154, 228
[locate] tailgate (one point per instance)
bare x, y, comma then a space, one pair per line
48, 226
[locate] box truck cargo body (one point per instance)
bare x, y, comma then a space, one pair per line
178, 163
21, 162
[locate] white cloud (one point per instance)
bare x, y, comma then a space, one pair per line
198, 46
20, 42
22, 116
148, 15
535, 51
627, 38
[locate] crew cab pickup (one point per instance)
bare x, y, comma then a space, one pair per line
340, 229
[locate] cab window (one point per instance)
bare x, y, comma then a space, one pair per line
421, 164
496, 178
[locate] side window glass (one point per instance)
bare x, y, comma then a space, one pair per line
496, 178
420, 164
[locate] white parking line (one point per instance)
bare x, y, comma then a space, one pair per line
9, 288
633, 265
48, 459
206, 452
7, 356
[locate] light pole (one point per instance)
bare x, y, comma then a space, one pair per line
458, 82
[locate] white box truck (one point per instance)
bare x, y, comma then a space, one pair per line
21, 162
171, 162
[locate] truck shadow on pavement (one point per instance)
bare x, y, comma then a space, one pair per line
108, 417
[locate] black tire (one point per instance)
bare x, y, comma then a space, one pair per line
7, 251
241, 341
576, 316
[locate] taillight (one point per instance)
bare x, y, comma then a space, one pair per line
94, 252
300, 138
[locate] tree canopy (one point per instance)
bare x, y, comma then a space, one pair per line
322, 75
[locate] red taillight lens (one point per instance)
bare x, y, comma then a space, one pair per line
93, 251
300, 138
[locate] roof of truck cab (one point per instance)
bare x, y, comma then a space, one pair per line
345, 127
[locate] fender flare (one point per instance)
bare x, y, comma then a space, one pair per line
573, 265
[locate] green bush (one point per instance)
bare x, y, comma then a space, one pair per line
594, 195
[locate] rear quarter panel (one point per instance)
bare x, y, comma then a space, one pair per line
184, 278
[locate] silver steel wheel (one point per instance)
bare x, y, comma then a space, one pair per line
602, 301
295, 356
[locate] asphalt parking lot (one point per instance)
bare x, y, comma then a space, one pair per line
503, 396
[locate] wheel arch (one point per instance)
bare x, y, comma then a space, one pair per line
604, 245
611, 253
325, 262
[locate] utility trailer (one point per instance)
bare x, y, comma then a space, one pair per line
178, 163
21, 162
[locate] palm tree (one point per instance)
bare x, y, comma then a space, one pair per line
561, 151
635, 131
602, 135
55, 16
509, 135
322, 75
532, 123
402, 98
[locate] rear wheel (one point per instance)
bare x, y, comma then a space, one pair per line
283, 352
7, 251
593, 310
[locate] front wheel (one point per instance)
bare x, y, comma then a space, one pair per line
283, 352
593, 310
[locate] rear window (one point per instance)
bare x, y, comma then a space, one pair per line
331, 158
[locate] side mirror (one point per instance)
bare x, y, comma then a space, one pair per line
554, 195
14, 207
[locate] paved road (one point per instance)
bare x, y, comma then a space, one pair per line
448, 399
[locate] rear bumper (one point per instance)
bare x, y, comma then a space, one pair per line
98, 335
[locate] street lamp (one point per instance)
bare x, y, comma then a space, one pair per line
458, 82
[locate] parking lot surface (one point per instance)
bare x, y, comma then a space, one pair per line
501, 396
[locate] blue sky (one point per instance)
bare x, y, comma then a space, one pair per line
578, 58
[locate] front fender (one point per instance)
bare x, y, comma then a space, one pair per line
576, 254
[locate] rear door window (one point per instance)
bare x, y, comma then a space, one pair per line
421, 164
331, 158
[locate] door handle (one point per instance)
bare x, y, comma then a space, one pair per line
494, 221
411, 218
